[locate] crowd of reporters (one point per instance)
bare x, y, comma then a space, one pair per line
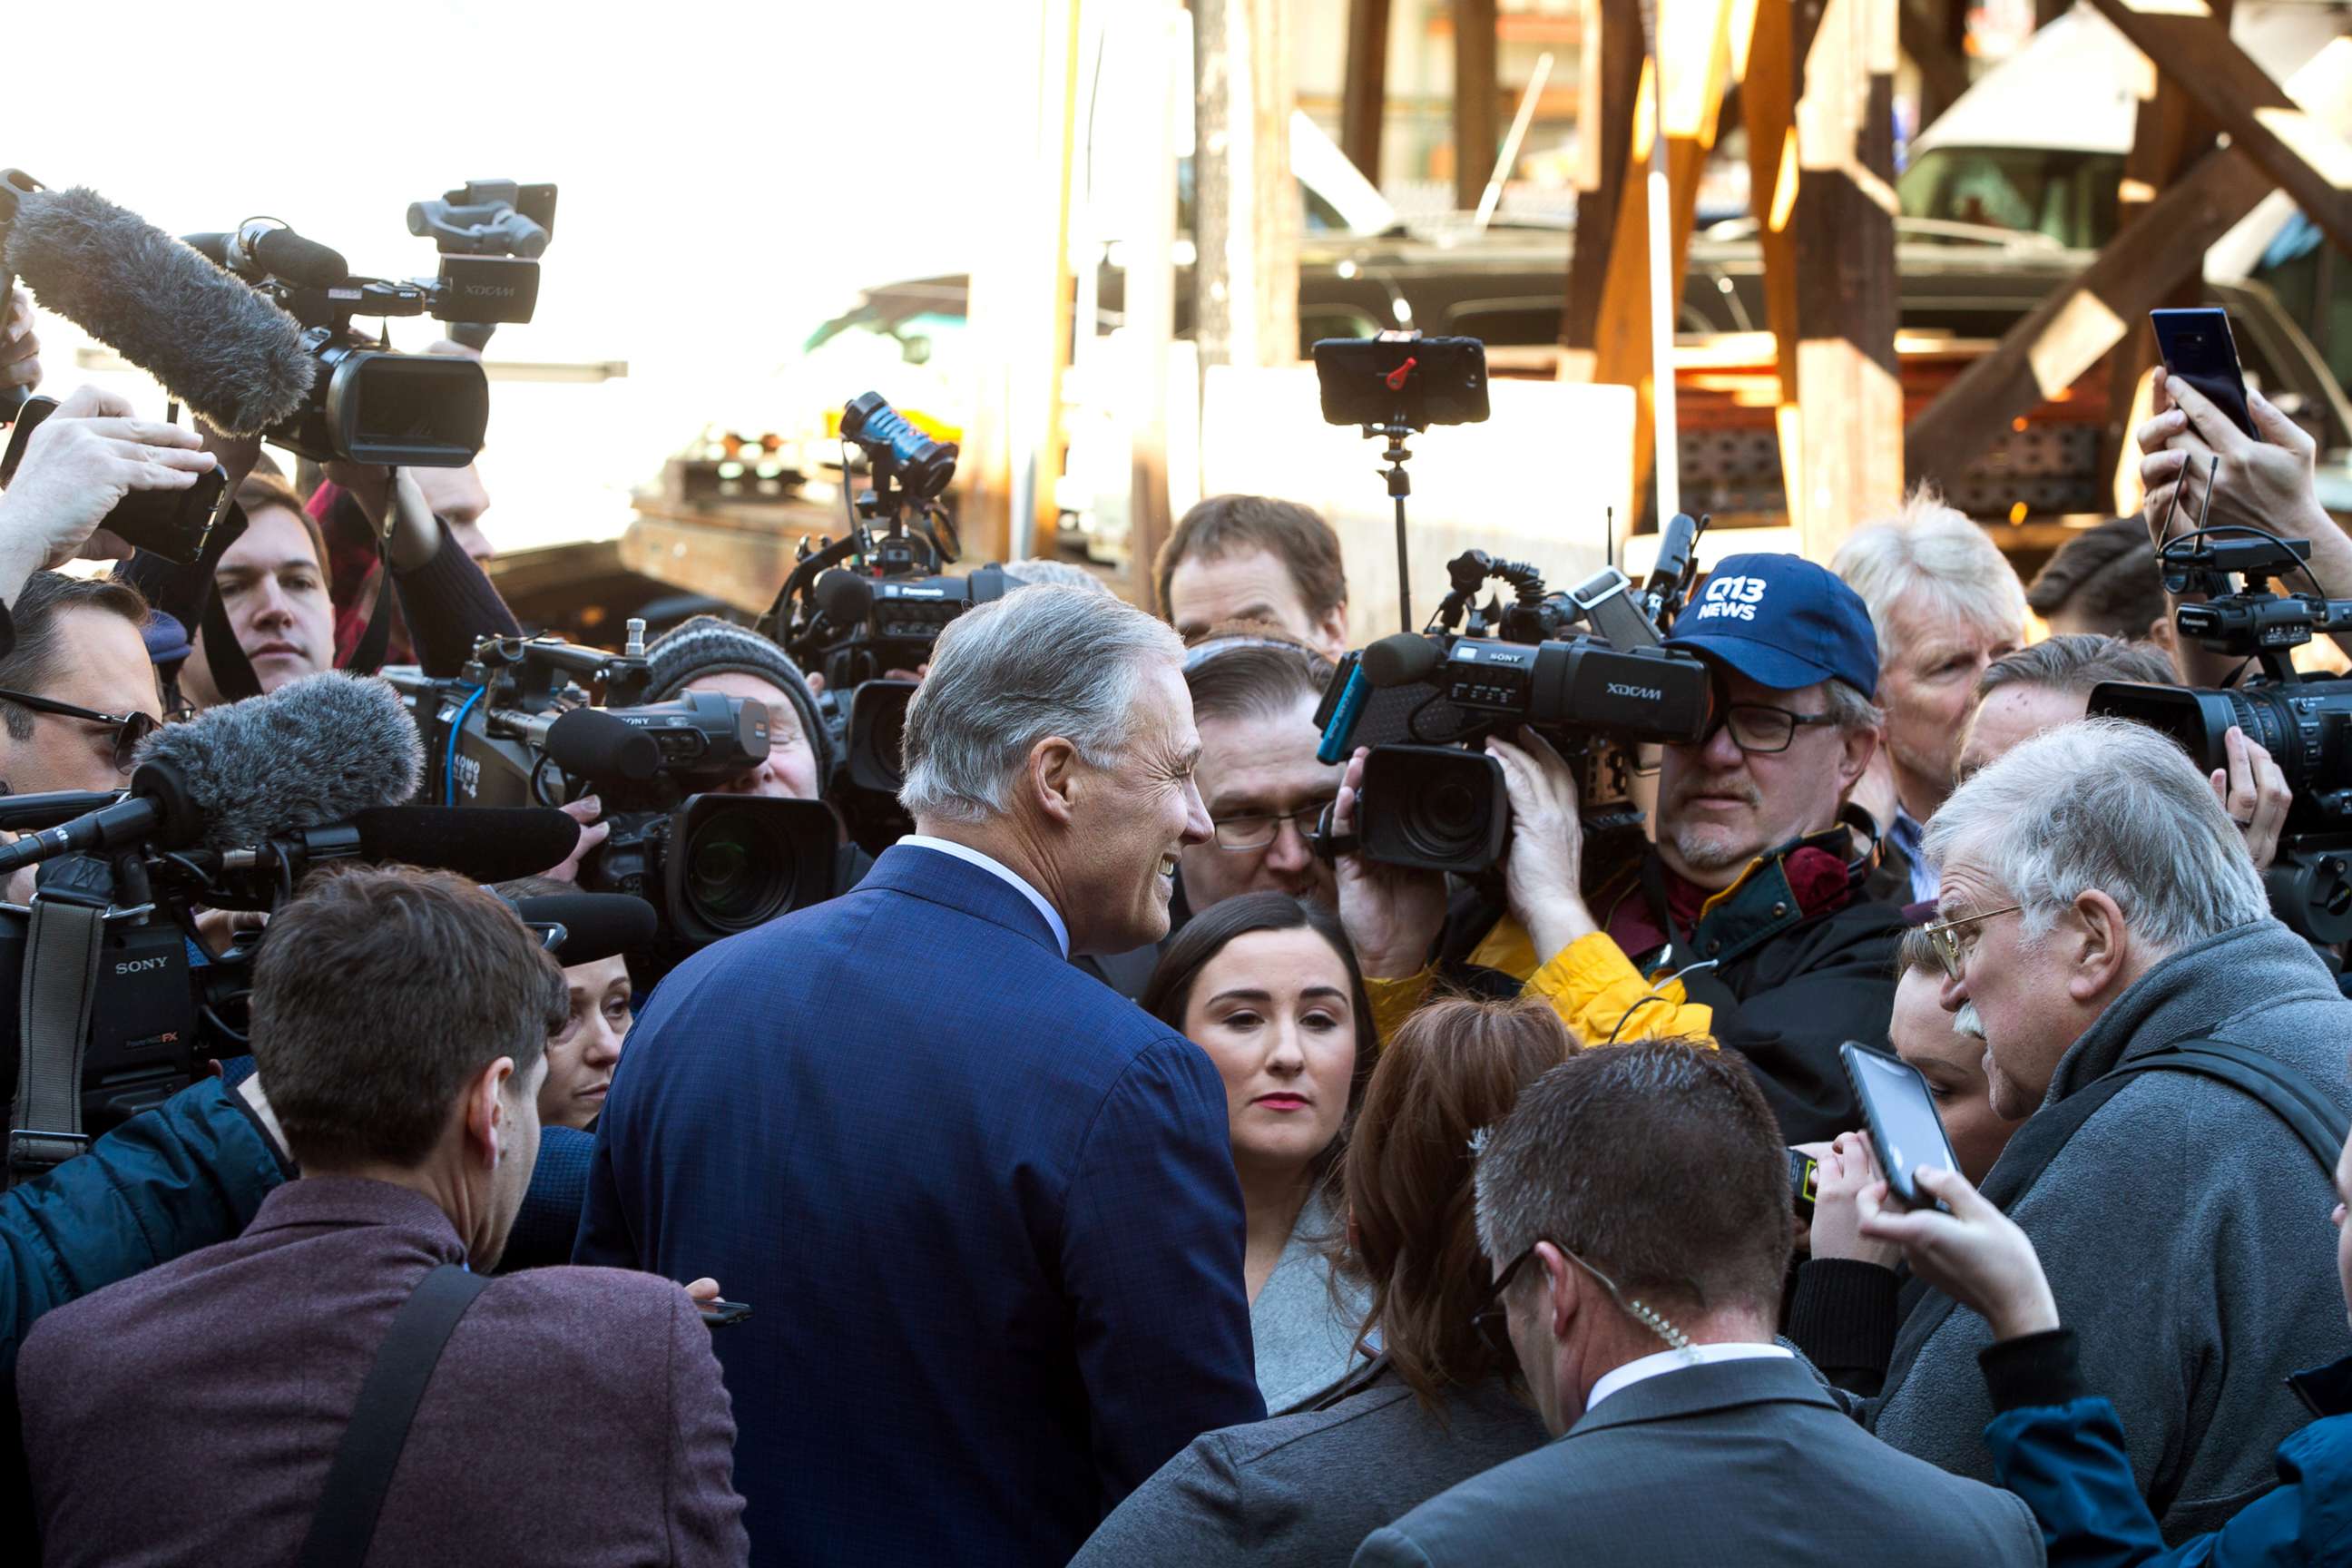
1395, 1219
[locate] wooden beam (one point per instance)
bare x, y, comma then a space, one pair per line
1246, 222
1694, 42
1934, 46
1364, 96
1768, 105
1850, 451
1151, 299
2298, 152
1478, 128
1611, 81
2065, 334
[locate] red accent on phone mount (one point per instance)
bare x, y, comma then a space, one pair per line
1399, 377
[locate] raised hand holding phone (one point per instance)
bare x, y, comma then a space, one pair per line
1974, 1254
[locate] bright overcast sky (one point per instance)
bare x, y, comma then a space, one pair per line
729, 171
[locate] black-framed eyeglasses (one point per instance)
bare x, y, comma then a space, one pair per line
1493, 1322
1759, 728
130, 729
1258, 829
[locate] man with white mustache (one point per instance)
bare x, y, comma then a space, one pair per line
1747, 921
2099, 908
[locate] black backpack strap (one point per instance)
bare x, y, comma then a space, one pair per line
2288, 1092
361, 1474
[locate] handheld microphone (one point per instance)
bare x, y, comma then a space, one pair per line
312, 754
234, 358
596, 925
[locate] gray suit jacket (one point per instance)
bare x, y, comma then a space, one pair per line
1735, 1462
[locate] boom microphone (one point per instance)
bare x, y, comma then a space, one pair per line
312, 754
1400, 659
486, 843
264, 247
844, 597
233, 357
596, 925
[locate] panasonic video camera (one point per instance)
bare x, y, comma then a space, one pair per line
2305, 724
370, 405
865, 611
535, 722
1586, 668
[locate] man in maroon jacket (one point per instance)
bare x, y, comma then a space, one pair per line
574, 1416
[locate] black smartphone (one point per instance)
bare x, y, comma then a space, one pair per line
1804, 1181
2197, 347
169, 524
1405, 379
1905, 1130
722, 1314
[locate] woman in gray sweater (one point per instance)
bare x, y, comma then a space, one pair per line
1266, 983
1442, 1402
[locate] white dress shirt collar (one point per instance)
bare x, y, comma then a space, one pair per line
996, 867
1633, 1371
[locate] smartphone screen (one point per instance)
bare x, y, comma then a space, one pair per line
1905, 1130
2197, 347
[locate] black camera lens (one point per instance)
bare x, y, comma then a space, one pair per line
737, 874
1439, 808
1447, 820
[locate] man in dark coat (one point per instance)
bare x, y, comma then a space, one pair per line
983, 1207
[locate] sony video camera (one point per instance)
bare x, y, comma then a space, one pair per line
534, 721
2306, 725
1587, 670
372, 404
863, 608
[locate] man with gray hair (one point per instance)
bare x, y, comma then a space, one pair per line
984, 1207
1634, 1211
1945, 604
2098, 909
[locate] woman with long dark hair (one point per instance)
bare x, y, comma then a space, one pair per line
1267, 985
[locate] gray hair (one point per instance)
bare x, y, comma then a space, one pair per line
1038, 573
1850, 709
1933, 553
2110, 804
1043, 661
2076, 662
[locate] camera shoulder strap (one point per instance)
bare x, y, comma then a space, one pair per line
60, 985
2288, 1093
360, 1473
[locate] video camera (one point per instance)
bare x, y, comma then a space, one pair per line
372, 404
535, 722
859, 609
1586, 668
2306, 725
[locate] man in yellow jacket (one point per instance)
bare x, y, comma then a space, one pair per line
1747, 919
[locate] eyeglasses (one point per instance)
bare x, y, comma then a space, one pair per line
1258, 829
1943, 936
1493, 1322
1759, 728
130, 729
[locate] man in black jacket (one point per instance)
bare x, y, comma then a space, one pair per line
1746, 920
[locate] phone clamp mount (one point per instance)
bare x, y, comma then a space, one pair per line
1395, 430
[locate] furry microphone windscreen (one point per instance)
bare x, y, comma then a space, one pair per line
233, 357
313, 752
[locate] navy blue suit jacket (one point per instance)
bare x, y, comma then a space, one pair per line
983, 1207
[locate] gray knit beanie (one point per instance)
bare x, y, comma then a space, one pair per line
708, 645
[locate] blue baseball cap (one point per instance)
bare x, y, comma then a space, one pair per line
1783, 622
166, 638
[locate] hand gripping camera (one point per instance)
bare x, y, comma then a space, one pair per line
2306, 725
541, 722
864, 608
1586, 668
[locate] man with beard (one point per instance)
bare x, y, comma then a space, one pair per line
1746, 922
